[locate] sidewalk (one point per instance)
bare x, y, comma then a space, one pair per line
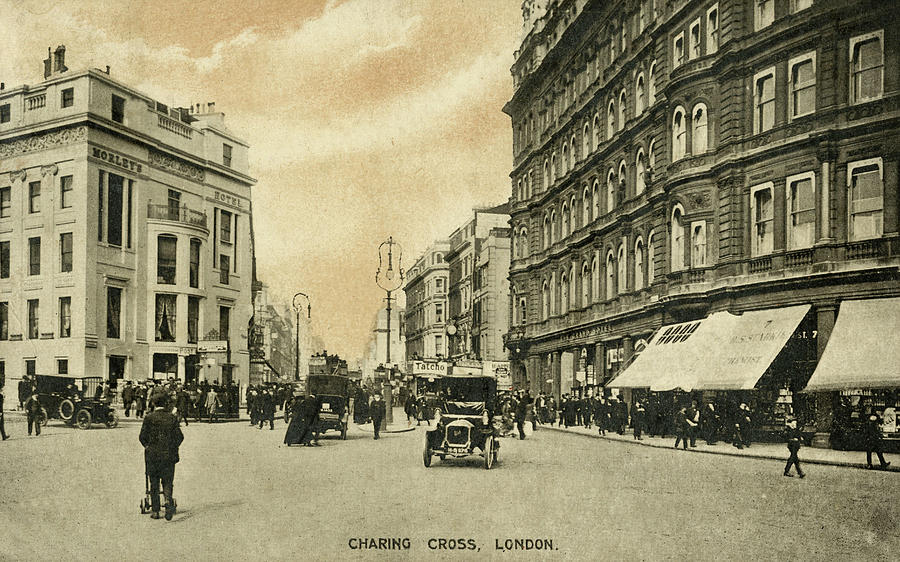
773, 451
398, 426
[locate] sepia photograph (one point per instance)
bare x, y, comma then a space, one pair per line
449, 280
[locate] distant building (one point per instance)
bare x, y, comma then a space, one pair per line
376, 351
272, 340
426, 303
125, 234
490, 296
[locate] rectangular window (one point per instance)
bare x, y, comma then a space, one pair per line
174, 210
4, 321
438, 346
30, 368
193, 319
34, 256
225, 224
4, 259
165, 318
65, 192
65, 252
867, 67
802, 72
128, 211
118, 109
678, 52
114, 312
764, 101
866, 198
114, 194
695, 40
438, 313
224, 322
62, 366
712, 30
34, 197
224, 268
33, 313
226, 154
195, 264
798, 5
5, 202
439, 285
101, 196
65, 317
765, 13
762, 216
166, 259
67, 97
4, 113
698, 244
801, 211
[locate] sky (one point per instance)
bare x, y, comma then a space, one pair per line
365, 118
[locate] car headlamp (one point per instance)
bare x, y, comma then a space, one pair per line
484, 418
437, 416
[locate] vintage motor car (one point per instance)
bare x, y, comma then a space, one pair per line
333, 394
63, 398
464, 420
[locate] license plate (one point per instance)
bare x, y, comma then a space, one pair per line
326, 406
458, 450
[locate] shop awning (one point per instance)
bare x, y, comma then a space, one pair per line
863, 350
721, 352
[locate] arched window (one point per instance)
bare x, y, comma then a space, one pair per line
651, 153
546, 175
678, 134
699, 143
651, 86
698, 244
553, 293
523, 310
622, 262
610, 275
572, 158
596, 197
528, 189
545, 300
611, 120
622, 179
622, 112
640, 183
554, 227
573, 287
586, 205
585, 285
564, 293
564, 164
610, 190
597, 130
523, 243
553, 168
639, 264
677, 257
595, 277
651, 259
564, 215
573, 214
639, 96
586, 141
546, 240
519, 195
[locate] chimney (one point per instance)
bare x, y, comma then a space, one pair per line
47, 67
59, 59
107, 70
210, 107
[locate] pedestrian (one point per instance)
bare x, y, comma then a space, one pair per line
637, 420
681, 428
744, 429
693, 417
161, 436
521, 413
98, 392
140, 399
182, 405
621, 416
376, 412
33, 412
268, 410
600, 414
570, 410
409, 408
709, 423
127, 397
24, 391
794, 437
2, 419
873, 441
212, 405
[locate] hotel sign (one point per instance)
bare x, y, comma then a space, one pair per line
117, 160
228, 199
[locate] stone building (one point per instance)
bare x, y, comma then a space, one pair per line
426, 303
125, 234
676, 159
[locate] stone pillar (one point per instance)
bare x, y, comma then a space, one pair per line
825, 317
181, 373
555, 374
599, 363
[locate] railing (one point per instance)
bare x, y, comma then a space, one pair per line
178, 214
696, 276
758, 265
863, 249
798, 258
35, 102
174, 126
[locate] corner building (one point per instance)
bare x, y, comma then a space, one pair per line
677, 159
125, 234
426, 304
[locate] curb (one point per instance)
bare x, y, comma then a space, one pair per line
783, 458
390, 429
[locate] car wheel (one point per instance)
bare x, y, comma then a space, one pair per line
83, 419
44, 417
488, 452
427, 454
112, 419
66, 409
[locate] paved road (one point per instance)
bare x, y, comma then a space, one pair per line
243, 496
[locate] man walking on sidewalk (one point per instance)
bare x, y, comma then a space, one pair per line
873, 440
377, 412
681, 428
794, 438
33, 412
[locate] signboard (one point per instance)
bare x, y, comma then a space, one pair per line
889, 420
580, 376
438, 368
212, 346
612, 356
462, 370
500, 370
317, 361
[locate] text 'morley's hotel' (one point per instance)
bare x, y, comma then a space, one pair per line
125, 234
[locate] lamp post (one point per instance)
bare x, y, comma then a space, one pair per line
297, 346
389, 278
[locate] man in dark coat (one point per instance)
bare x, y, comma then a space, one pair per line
681, 428
521, 414
637, 420
693, 417
571, 411
161, 436
621, 416
376, 412
268, 409
600, 414
24, 391
33, 412
873, 441
709, 422
794, 437
182, 404
127, 397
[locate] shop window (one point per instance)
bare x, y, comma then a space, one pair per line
679, 135
114, 313
801, 211
34, 256
678, 51
764, 101
67, 97
5, 202
166, 259
802, 72
165, 318
762, 219
65, 192
33, 318
65, 252
698, 244
677, 258
118, 109
712, 29
695, 40
4, 259
65, 317
867, 67
700, 128
764, 13
639, 96
34, 197
866, 199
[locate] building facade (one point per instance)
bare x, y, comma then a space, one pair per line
377, 352
465, 247
490, 296
426, 303
125, 235
273, 341
677, 159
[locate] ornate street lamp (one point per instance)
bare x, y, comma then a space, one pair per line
389, 276
297, 346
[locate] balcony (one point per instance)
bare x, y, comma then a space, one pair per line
759, 265
798, 258
174, 126
177, 214
865, 249
35, 102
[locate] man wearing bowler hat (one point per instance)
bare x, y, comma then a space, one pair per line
161, 436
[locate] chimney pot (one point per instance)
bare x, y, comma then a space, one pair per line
107, 69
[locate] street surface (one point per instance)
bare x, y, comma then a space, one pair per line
243, 496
